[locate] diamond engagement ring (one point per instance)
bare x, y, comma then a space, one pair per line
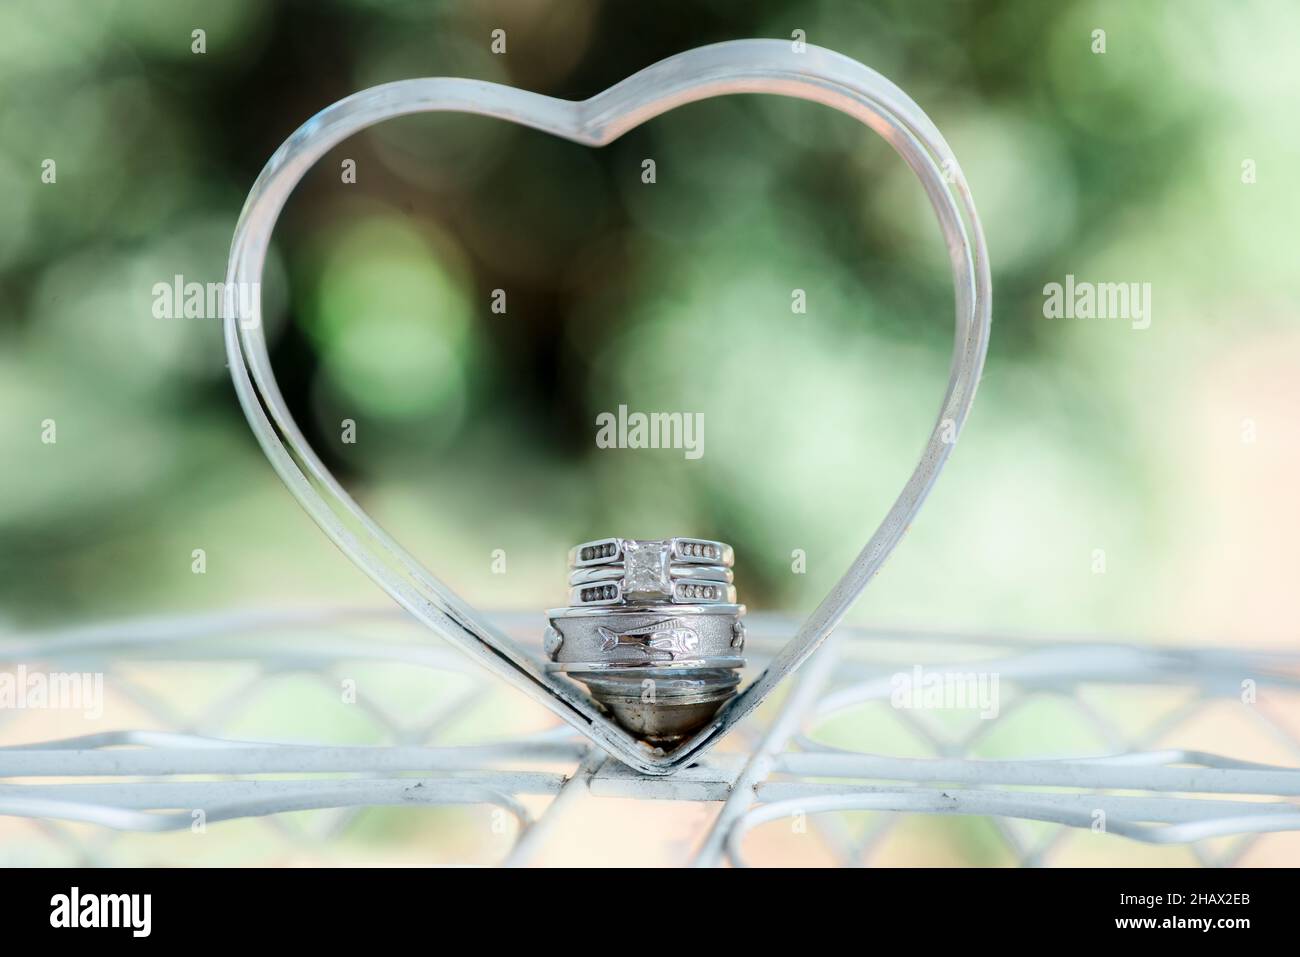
618, 551
618, 571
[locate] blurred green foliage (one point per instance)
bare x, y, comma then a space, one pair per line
475, 431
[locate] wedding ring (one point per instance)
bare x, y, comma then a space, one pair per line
653, 630
615, 551
613, 571
604, 573
681, 591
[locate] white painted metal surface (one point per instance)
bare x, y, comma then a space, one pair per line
153, 781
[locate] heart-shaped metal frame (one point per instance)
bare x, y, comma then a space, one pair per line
742, 66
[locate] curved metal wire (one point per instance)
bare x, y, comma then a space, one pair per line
741, 66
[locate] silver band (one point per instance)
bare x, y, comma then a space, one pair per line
684, 591
641, 670
688, 656
614, 551
604, 573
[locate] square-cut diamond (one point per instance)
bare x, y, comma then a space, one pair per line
645, 570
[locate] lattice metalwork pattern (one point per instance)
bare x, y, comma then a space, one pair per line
285, 736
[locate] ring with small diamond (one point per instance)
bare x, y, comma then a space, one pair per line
683, 591
616, 551
608, 573
615, 571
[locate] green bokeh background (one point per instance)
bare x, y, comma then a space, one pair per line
1172, 452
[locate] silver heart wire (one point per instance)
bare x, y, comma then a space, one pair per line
772, 67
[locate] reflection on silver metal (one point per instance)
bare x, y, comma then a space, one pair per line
662, 669
744, 66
